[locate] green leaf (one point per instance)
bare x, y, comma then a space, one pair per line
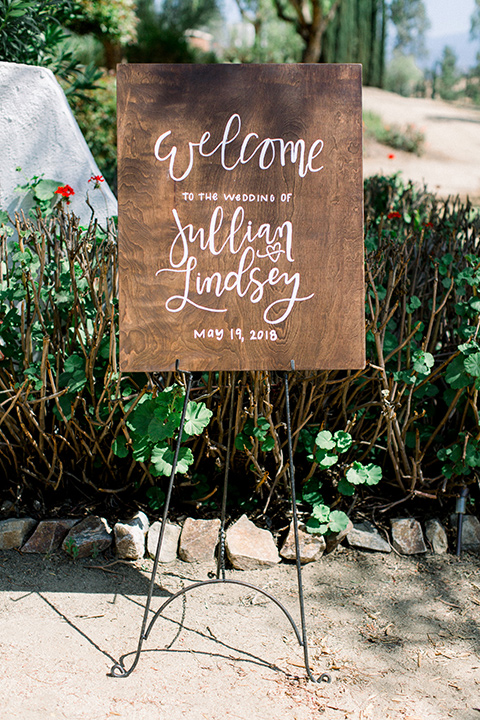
156, 498
455, 375
119, 446
242, 442
324, 459
321, 513
306, 441
360, 474
314, 527
259, 433
472, 364
422, 362
45, 189
263, 423
268, 444
197, 418
338, 521
469, 347
356, 474
74, 362
142, 415
346, 488
170, 400
373, 474
413, 304
311, 492
159, 429
142, 448
162, 458
343, 440
324, 440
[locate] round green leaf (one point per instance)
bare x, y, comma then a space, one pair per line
343, 440
316, 528
356, 474
472, 364
321, 513
197, 418
325, 460
373, 474
324, 440
311, 492
346, 488
45, 189
338, 521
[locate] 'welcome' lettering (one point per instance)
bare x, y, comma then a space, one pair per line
265, 151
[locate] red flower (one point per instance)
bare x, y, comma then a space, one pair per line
391, 156
428, 224
65, 191
96, 179
394, 214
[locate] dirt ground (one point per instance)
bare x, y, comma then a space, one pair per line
450, 164
399, 636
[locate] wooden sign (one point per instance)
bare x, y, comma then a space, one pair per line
240, 217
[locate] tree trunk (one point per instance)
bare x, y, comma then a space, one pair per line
313, 49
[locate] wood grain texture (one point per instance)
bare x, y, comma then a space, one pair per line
234, 252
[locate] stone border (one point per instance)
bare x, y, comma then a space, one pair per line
248, 546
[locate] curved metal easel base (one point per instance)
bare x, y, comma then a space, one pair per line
119, 670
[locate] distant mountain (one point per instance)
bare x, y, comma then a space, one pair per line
464, 48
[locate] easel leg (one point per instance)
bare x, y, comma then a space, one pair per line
118, 670
221, 548
325, 677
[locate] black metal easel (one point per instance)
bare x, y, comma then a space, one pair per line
119, 669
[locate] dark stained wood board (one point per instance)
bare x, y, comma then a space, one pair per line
240, 217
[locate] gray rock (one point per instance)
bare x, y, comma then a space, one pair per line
364, 535
140, 520
90, 536
249, 547
311, 546
407, 536
14, 531
130, 537
335, 539
7, 508
436, 536
471, 533
168, 552
198, 540
49, 535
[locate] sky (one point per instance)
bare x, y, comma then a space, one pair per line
449, 17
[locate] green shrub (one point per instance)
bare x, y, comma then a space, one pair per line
408, 138
71, 426
403, 76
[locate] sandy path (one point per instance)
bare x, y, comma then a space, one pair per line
451, 162
399, 636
